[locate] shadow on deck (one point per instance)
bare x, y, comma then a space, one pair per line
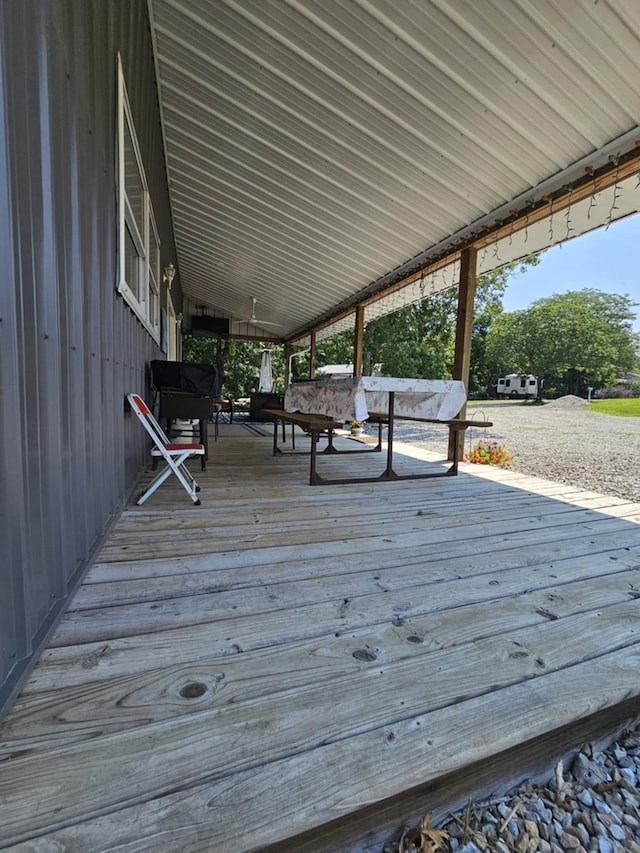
304, 668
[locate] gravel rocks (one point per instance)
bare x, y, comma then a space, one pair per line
562, 441
566, 814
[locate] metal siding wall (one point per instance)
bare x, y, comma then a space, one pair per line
70, 348
24, 132
13, 634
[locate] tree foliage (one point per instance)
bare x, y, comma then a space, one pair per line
583, 337
418, 341
239, 362
338, 349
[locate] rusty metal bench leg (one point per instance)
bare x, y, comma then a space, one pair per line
453, 470
312, 464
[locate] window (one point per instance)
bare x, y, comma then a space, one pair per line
139, 249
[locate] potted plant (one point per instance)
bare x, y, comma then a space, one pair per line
357, 427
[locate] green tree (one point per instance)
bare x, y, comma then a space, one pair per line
416, 341
580, 338
338, 349
487, 308
239, 362
419, 340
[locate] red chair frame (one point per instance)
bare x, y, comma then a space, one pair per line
175, 455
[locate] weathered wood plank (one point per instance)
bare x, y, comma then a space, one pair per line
76, 713
197, 820
168, 579
122, 656
390, 574
282, 489
252, 538
282, 552
271, 509
122, 770
276, 512
161, 566
446, 513
79, 626
457, 622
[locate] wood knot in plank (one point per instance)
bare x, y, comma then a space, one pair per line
365, 655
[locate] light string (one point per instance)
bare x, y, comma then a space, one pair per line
617, 192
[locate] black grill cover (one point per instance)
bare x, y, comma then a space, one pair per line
200, 379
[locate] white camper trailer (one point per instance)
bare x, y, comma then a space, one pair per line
518, 385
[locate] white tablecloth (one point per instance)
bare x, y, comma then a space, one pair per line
354, 398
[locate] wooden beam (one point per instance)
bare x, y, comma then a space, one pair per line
591, 184
312, 355
358, 337
287, 364
264, 339
464, 327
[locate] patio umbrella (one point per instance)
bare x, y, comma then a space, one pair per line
266, 373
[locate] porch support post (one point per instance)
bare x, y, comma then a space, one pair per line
464, 327
287, 364
358, 338
312, 355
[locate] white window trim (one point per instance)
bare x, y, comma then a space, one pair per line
153, 281
140, 305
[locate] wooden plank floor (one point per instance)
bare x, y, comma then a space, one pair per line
303, 668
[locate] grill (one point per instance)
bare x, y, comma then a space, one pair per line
186, 391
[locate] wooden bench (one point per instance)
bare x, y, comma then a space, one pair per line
315, 425
455, 426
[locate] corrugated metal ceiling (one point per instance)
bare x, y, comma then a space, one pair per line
316, 146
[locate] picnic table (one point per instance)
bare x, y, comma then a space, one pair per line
380, 399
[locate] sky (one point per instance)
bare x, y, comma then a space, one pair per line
607, 260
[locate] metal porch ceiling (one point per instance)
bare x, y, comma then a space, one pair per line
314, 147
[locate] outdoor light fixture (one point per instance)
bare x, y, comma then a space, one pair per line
169, 274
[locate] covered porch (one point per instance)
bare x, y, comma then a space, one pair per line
304, 668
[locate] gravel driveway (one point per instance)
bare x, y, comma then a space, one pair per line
561, 440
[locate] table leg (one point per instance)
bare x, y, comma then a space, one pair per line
204, 440
389, 473
453, 470
314, 479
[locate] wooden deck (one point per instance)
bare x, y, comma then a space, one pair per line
304, 668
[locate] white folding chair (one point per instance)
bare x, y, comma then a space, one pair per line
175, 455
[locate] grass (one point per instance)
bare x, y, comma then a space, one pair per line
628, 408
